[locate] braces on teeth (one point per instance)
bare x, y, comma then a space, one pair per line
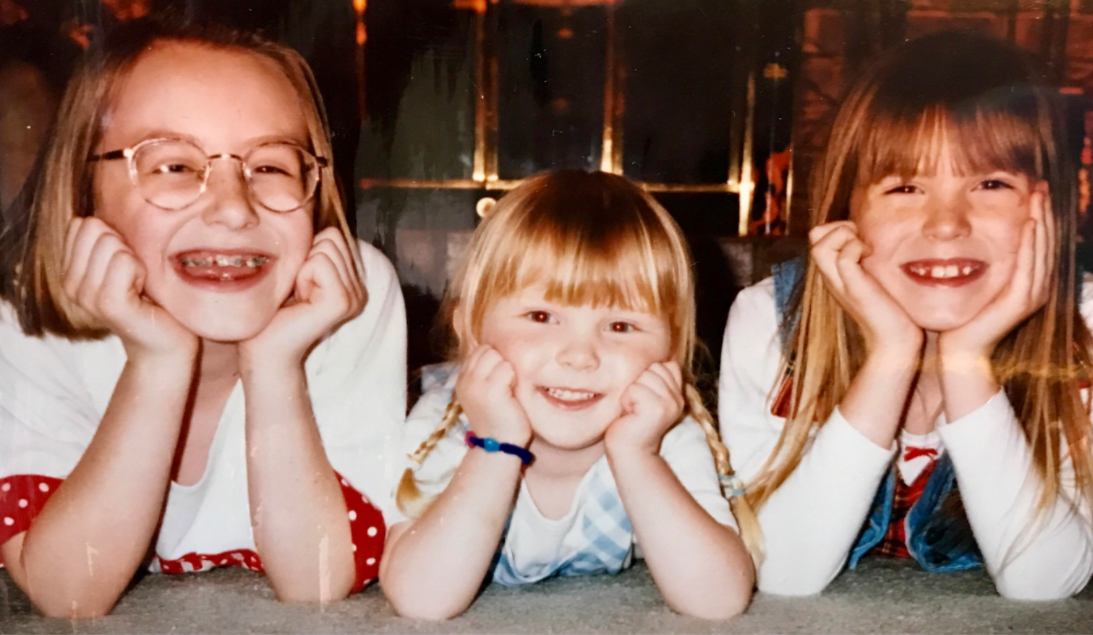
224, 261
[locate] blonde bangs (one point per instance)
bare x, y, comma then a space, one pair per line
606, 246
981, 141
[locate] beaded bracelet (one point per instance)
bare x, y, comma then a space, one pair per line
490, 444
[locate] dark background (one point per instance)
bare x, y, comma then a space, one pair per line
718, 106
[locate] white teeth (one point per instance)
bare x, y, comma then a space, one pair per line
569, 395
942, 272
221, 260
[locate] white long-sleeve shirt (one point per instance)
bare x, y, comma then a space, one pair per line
811, 522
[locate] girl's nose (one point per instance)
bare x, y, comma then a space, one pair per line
579, 353
227, 199
947, 219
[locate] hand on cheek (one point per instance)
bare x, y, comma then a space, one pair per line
327, 293
649, 408
838, 252
1028, 290
486, 392
103, 276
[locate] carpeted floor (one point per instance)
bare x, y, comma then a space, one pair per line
881, 596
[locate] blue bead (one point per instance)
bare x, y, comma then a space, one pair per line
490, 445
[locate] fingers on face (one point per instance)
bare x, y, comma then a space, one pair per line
332, 242
819, 232
101, 267
662, 382
835, 251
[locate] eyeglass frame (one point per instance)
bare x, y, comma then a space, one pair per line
131, 151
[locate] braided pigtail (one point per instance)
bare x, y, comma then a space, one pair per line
731, 485
408, 497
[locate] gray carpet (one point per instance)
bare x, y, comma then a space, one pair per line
881, 596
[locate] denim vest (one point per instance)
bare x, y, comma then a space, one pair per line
934, 540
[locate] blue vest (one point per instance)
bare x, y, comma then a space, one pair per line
934, 540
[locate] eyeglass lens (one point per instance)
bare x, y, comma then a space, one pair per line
171, 174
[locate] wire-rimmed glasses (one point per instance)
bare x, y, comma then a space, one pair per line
173, 173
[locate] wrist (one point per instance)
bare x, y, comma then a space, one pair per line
255, 360
181, 358
622, 448
491, 445
623, 457
896, 357
952, 350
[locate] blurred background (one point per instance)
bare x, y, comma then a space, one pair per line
718, 107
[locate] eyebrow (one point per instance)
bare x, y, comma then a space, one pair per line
303, 141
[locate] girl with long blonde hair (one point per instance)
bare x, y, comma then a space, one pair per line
570, 430
919, 387
199, 366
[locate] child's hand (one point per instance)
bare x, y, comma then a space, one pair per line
650, 407
838, 252
328, 293
485, 389
104, 277
1027, 291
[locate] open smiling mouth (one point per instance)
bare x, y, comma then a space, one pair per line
950, 272
570, 399
226, 271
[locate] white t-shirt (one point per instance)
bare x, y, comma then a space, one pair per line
535, 545
812, 521
54, 392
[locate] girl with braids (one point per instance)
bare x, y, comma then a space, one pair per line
571, 429
919, 388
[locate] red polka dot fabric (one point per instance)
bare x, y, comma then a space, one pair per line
368, 531
204, 561
22, 498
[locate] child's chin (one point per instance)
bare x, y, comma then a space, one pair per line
940, 322
225, 328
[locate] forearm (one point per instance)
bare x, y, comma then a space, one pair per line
1028, 555
298, 514
434, 567
701, 567
810, 523
874, 402
94, 532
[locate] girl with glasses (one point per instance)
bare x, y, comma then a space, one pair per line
919, 388
198, 365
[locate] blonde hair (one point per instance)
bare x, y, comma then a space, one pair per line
592, 239
63, 180
989, 104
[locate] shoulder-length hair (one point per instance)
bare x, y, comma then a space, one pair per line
32, 249
995, 110
589, 239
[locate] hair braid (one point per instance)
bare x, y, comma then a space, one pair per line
408, 497
750, 531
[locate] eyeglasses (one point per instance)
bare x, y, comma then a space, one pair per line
173, 173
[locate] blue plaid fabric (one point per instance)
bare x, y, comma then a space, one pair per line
607, 532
